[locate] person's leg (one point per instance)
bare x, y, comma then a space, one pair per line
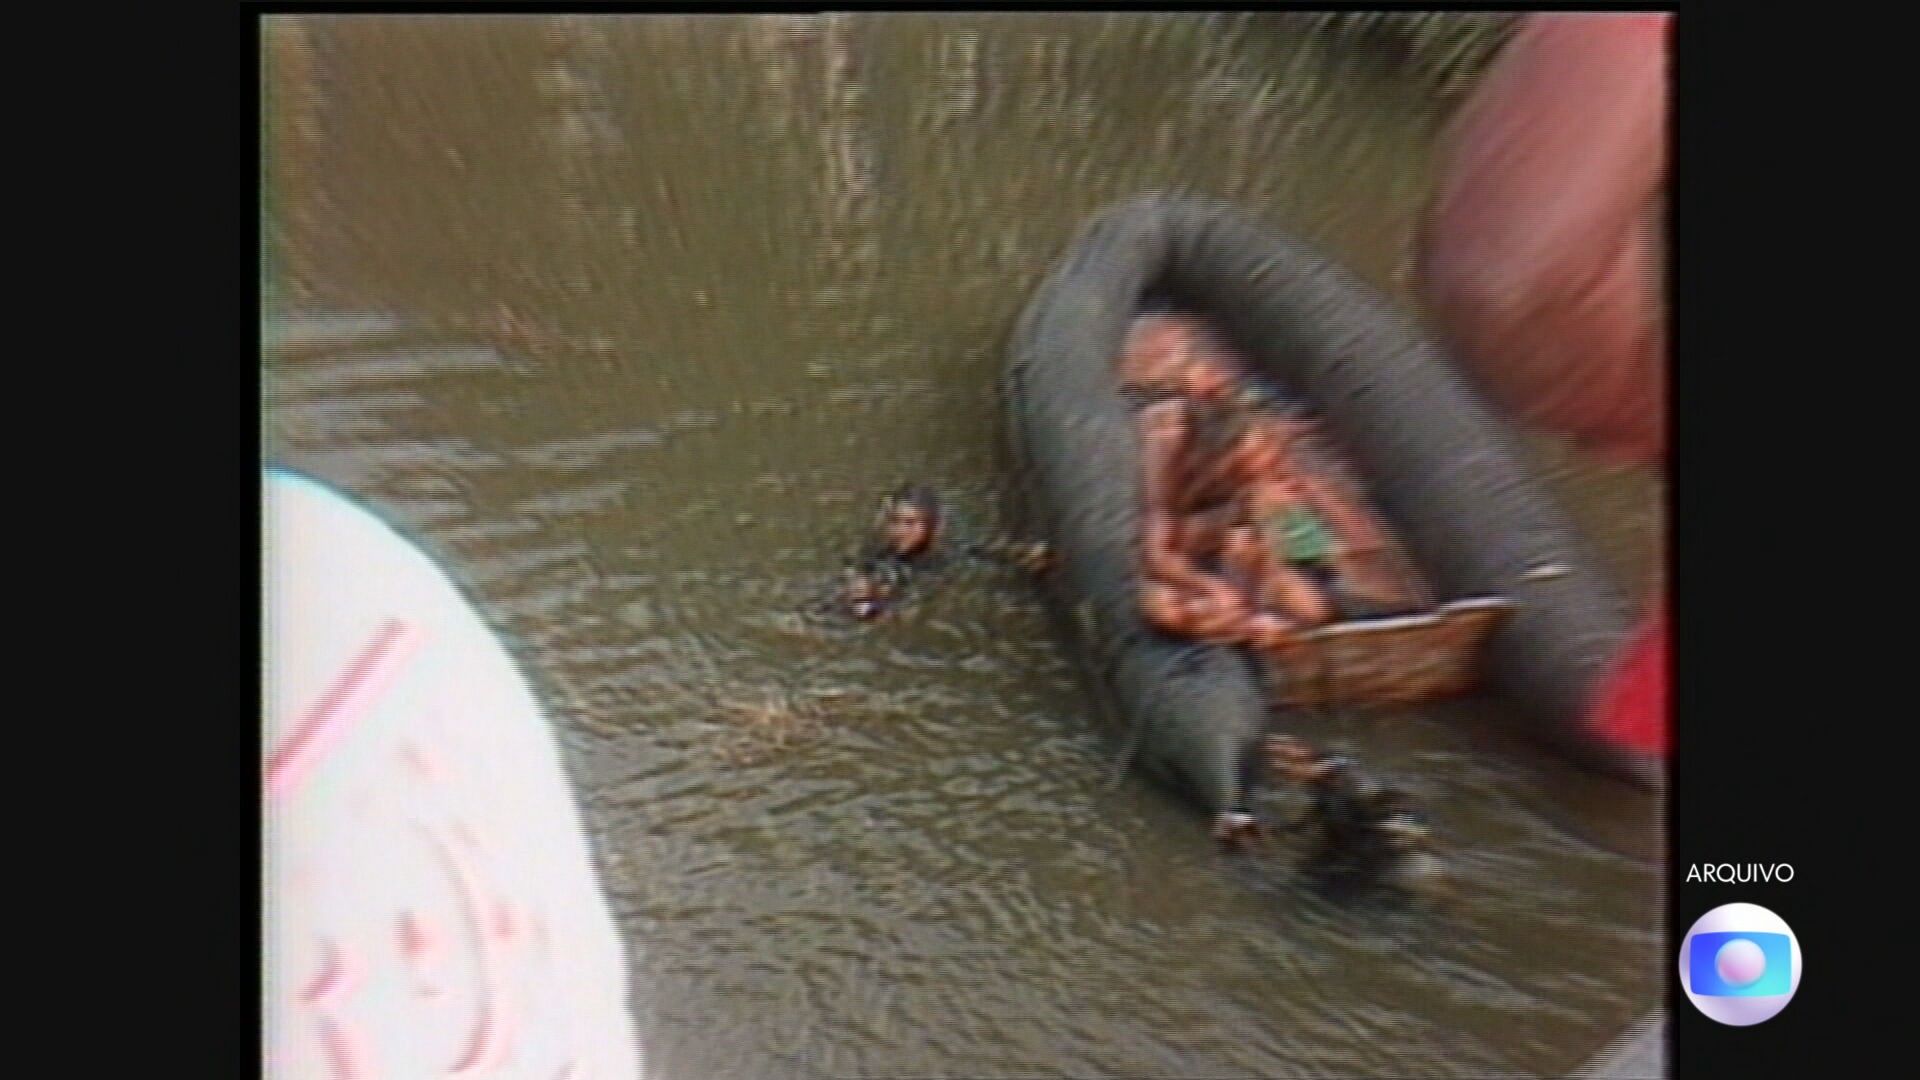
1342, 604
1282, 587
1216, 615
1242, 555
1222, 621
1245, 558
1189, 613
1366, 586
1295, 595
1160, 605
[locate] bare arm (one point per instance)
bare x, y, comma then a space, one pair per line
1163, 440
1162, 559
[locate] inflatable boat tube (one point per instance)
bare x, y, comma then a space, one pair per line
1444, 471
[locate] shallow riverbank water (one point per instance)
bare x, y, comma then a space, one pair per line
629, 320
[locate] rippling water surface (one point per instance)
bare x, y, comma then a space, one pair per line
629, 320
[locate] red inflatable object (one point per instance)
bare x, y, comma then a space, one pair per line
1632, 706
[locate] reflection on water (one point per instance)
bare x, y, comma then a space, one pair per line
646, 310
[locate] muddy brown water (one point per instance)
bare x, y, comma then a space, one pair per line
629, 319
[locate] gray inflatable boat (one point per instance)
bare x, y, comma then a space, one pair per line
1440, 467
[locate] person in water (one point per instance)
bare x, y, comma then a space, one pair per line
915, 537
1365, 827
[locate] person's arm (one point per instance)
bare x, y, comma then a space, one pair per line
959, 539
1013, 552
1163, 440
1163, 436
1162, 560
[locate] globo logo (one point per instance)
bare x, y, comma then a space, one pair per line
1740, 964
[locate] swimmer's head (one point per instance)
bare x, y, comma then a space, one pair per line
909, 520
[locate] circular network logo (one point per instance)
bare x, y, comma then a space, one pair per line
1740, 964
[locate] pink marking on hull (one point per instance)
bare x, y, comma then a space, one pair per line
492, 1032
351, 694
420, 946
509, 1029
505, 927
345, 1053
336, 978
417, 762
416, 941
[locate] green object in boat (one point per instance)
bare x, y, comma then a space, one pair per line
1298, 535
